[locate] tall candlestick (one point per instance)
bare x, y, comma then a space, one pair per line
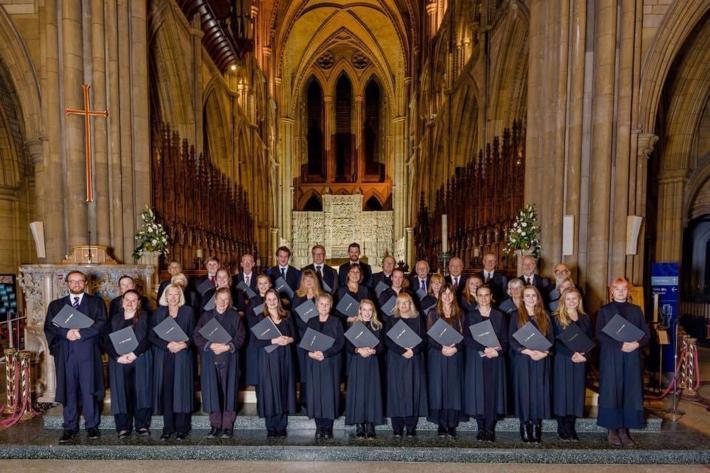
444, 234
199, 252
655, 308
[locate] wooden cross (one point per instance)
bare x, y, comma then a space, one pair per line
87, 113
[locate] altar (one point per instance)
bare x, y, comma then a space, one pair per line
42, 283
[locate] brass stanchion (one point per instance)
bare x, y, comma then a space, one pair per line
11, 384
25, 404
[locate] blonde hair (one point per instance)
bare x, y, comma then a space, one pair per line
562, 315
466, 295
179, 279
374, 321
164, 296
302, 291
400, 297
438, 278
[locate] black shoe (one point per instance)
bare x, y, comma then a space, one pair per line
271, 433
370, 431
227, 433
214, 432
397, 433
481, 435
412, 432
320, 434
562, 432
67, 436
282, 433
490, 436
92, 433
441, 431
525, 433
181, 435
451, 432
537, 431
571, 430
360, 431
165, 436
144, 432
124, 434
328, 433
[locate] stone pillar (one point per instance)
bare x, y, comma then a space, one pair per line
284, 196
359, 157
669, 233
328, 127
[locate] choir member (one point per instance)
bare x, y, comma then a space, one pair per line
363, 401
436, 282
126, 283
406, 371
385, 276
174, 366
284, 270
219, 362
247, 276
221, 280
192, 297
494, 279
455, 277
131, 375
323, 370
468, 295
211, 265
174, 267
445, 367
485, 385
531, 278
420, 279
354, 260
263, 284
569, 367
515, 297
77, 358
531, 368
620, 368
396, 288
355, 287
327, 276
276, 389
309, 290
554, 298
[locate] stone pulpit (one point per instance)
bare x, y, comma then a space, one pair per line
42, 283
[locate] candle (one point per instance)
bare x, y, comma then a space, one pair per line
655, 308
199, 253
444, 234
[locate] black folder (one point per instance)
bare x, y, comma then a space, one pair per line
484, 334
170, 331
282, 286
361, 336
348, 306
530, 337
389, 306
404, 336
326, 287
209, 305
421, 293
622, 330
313, 340
429, 307
259, 309
124, 341
70, 318
242, 286
265, 329
205, 286
576, 340
444, 334
507, 306
307, 310
380, 288
215, 333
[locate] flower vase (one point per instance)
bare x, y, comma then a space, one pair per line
151, 258
519, 255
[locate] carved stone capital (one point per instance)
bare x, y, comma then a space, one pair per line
646, 144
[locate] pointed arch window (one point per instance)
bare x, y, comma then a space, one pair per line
316, 166
372, 136
345, 163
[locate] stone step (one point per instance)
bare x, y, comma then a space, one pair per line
248, 421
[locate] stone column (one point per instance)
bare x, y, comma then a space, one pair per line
285, 179
669, 236
328, 127
359, 118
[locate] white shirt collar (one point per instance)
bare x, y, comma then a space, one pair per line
72, 296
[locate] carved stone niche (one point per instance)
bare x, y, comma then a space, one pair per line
42, 283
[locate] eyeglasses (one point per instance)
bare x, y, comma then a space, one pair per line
76, 281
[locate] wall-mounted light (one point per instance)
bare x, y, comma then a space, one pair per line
233, 67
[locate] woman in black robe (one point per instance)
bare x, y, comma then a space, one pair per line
468, 295
394, 290
263, 284
406, 371
131, 375
221, 279
354, 287
445, 367
620, 368
276, 390
531, 368
428, 302
323, 370
308, 290
363, 400
515, 298
174, 366
570, 369
219, 365
485, 385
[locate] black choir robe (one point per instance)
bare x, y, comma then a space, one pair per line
116, 305
498, 284
365, 269
406, 378
363, 292
300, 329
620, 374
467, 306
445, 373
276, 388
88, 347
380, 277
209, 382
330, 276
531, 379
385, 296
486, 382
323, 377
543, 285
137, 375
568, 389
251, 377
414, 283
241, 300
183, 384
293, 279
363, 400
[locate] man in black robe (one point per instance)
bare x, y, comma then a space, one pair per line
173, 268
126, 283
531, 278
77, 358
325, 273
284, 270
354, 255
385, 276
496, 280
246, 275
456, 277
420, 278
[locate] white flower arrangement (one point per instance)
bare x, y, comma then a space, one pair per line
151, 236
525, 232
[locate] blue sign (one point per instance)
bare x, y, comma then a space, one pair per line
664, 282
